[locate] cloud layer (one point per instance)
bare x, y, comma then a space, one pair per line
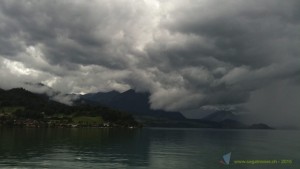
187, 54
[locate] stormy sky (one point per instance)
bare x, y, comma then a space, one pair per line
193, 56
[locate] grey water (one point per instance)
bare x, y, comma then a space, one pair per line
147, 148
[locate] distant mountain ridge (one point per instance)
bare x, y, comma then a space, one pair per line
219, 116
101, 97
131, 101
138, 105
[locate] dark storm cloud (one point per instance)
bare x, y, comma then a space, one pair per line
275, 104
253, 33
242, 45
69, 31
187, 54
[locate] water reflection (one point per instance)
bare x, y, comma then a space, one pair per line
127, 147
141, 148
203, 148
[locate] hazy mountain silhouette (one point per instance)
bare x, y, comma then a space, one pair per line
138, 105
219, 116
130, 101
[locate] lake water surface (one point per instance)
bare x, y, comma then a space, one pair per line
148, 148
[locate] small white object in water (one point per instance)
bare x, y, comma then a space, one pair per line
78, 158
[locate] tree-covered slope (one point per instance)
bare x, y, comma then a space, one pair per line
16, 104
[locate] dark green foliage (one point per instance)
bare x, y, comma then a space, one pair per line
37, 106
31, 101
31, 114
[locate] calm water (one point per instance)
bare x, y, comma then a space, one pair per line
146, 148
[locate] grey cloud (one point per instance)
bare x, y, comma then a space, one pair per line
74, 31
54, 95
252, 44
14, 74
251, 33
188, 54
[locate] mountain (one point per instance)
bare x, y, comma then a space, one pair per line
233, 124
219, 116
138, 105
227, 119
18, 105
103, 98
130, 101
22, 97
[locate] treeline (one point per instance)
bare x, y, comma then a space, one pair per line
40, 107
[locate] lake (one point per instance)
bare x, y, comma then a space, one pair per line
147, 148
